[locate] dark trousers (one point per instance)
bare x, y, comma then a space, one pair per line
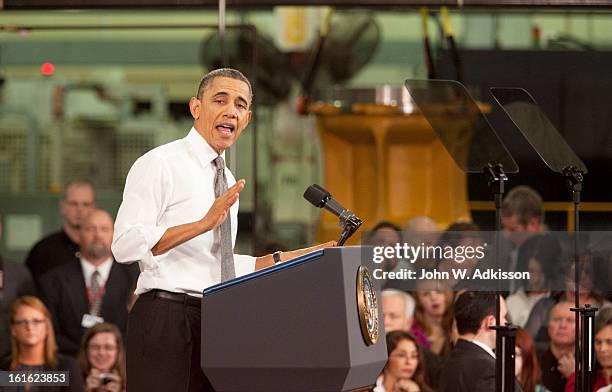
163, 346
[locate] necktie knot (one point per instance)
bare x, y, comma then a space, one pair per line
219, 163
95, 279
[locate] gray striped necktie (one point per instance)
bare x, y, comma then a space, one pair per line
94, 307
225, 229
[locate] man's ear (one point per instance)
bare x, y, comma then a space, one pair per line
249, 116
488, 322
195, 106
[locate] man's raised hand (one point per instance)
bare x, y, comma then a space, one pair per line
220, 208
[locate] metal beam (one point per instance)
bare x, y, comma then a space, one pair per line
96, 4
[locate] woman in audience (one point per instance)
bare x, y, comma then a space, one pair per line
603, 351
539, 255
405, 370
102, 359
33, 347
433, 316
526, 366
537, 323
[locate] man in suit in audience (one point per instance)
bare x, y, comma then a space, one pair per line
471, 365
557, 361
90, 288
59, 247
522, 217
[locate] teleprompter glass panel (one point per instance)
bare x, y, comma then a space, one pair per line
535, 126
464, 131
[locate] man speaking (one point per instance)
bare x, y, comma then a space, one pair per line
178, 219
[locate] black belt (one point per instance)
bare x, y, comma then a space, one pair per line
175, 297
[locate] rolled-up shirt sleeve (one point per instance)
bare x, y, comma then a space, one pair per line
144, 200
244, 264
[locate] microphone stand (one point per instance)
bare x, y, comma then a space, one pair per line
506, 334
584, 368
350, 226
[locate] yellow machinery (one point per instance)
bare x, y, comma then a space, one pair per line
383, 161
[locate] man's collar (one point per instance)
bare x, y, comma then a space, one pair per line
483, 346
86, 264
205, 153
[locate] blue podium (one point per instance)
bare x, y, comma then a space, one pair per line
310, 324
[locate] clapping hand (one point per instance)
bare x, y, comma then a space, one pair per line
566, 365
406, 385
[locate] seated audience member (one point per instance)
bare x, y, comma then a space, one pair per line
588, 294
522, 217
420, 230
603, 352
459, 235
538, 255
526, 366
557, 361
102, 359
404, 371
539, 316
433, 316
91, 289
471, 364
522, 214
385, 234
398, 313
33, 345
15, 282
59, 247
398, 310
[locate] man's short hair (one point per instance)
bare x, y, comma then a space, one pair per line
78, 183
222, 73
524, 202
408, 300
370, 236
471, 308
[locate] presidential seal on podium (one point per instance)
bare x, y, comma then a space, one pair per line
367, 303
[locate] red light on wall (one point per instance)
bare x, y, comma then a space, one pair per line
47, 69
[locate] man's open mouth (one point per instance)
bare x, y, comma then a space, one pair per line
226, 128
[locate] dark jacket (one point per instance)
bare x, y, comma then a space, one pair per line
65, 364
52, 251
64, 292
469, 368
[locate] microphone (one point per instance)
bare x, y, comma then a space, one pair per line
321, 198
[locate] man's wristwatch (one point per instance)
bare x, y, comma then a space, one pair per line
276, 257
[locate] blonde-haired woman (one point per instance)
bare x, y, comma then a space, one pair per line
33, 347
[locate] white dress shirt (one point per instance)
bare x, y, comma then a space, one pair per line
380, 387
484, 347
103, 269
168, 186
520, 305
